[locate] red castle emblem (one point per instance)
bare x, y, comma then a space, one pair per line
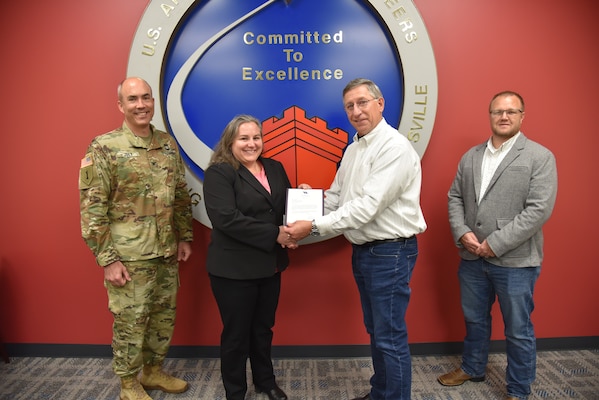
309, 150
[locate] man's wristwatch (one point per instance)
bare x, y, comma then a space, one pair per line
314, 231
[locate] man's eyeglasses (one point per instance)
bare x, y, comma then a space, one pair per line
512, 112
349, 107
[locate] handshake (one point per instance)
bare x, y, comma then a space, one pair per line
293, 232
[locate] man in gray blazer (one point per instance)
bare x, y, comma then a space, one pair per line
503, 193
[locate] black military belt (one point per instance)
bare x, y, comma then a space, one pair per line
381, 241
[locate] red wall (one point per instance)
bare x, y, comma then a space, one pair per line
61, 62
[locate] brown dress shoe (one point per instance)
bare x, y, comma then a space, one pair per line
457, 377
512, 398
367, 397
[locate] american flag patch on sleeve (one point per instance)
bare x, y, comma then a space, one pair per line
87, 160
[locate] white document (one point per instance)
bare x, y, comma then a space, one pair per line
304, 204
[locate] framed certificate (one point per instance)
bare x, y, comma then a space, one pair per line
304, 204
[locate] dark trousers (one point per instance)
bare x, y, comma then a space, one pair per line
247, 309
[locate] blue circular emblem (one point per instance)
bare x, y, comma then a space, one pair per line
216, 59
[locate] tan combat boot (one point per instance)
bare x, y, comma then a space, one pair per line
153, 377
131, 389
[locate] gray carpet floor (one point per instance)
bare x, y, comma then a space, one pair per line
560, 375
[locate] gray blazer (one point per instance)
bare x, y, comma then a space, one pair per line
518, 201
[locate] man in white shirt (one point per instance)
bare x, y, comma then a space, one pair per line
374, 201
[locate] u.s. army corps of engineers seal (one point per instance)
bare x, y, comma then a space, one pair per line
208, 61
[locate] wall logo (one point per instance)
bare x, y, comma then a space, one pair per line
285, 62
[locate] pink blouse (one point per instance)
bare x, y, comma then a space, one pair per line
261, 176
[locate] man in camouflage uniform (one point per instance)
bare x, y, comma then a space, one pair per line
136, 218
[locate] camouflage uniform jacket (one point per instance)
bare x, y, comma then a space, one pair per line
133, 197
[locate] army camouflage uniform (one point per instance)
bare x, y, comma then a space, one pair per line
135, 208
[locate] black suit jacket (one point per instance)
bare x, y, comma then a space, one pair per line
245, 221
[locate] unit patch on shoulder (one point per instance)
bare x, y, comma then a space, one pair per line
86, 172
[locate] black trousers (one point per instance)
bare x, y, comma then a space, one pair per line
247, 309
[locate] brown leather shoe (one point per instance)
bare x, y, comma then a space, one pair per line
457, 377
512, 398
367, 397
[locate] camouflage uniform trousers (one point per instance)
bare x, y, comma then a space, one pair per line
144, 314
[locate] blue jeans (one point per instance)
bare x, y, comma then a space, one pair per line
382, 273
480, 282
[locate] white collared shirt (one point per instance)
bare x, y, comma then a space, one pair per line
376, 192
491, 160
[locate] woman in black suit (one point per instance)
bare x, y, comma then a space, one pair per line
245, 201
